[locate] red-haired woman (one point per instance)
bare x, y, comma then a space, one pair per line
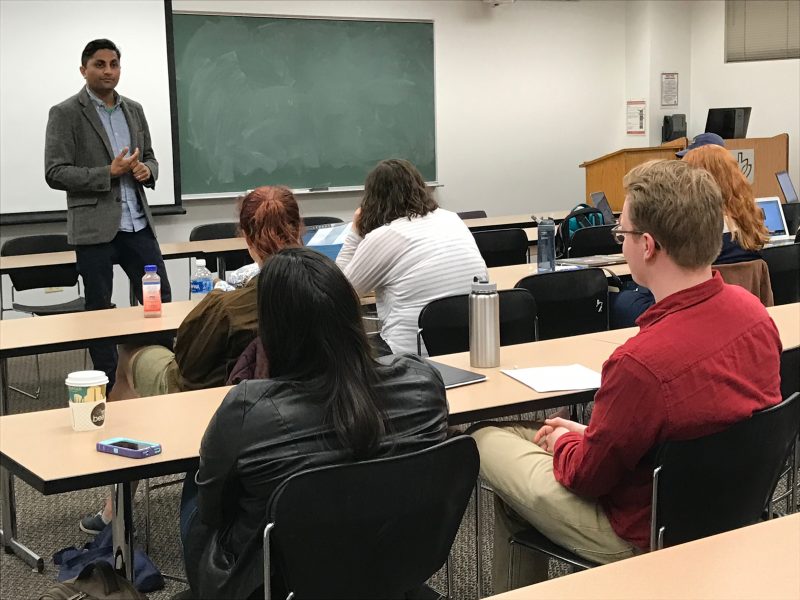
214, 334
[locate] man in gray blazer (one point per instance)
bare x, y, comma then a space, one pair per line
98, 150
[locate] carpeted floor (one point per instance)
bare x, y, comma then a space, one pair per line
49, 523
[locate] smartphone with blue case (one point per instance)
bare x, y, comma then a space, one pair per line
129, 448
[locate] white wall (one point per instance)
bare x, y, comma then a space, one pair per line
771, 87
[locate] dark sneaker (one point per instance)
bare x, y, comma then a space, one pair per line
93, 524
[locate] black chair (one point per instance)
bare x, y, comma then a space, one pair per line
55, 276
374, 529
472, 214
708, 485
444, 323
589, 241
221, 261
311, 221
790, 383
501, 247
783, 263
569, 302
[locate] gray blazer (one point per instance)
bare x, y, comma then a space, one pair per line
77, 159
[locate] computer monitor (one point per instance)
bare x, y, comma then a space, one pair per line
789, 193
728, 123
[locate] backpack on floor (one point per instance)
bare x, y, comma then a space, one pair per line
579, 217
97, 581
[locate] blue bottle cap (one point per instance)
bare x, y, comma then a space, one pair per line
150, 269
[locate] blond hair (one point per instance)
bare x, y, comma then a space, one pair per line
680, 206
740, 206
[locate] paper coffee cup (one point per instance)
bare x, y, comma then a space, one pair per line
87, 399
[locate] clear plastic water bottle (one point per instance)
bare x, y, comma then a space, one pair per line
546, 247
201, 282
484, 325
151, 292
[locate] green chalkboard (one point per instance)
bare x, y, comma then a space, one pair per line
300, 102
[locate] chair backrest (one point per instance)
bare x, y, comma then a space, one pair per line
589, 241
790, 372
444, 323
569, 302
501, 247
374, 529
783, 263
220, 231
53, 276
722, 481
309, 221
791, 212
752, 275
472, 214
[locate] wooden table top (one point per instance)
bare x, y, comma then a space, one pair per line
507, 277
22, 337
760, 561
508, 221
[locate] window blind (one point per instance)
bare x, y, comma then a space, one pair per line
757, 30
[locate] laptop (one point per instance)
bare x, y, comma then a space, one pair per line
601, 203
327, 239
455, 377
789, 193
774, 219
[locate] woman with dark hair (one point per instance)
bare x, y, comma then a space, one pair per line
327, 401
215, 333
407, 250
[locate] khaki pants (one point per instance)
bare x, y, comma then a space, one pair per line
521, 474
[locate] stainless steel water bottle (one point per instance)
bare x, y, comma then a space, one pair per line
484, 325
546, 246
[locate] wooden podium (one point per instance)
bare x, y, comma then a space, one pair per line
605, 174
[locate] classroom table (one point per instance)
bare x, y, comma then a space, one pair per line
759, 561
39, 335
514, 221
507, 277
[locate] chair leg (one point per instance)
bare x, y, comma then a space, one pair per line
478, 551
147, 516
32, 395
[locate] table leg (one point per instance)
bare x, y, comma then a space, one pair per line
8, 533
122, 529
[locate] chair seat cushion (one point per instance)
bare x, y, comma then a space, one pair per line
535, 540
76, 305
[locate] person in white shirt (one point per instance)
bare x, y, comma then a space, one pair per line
407, 250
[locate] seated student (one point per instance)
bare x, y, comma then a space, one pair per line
689, 372
214, 334
407, 250
744, 233
328, 401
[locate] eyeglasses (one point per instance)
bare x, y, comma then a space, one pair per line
619, 234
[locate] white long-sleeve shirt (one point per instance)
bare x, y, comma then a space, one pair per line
408, 263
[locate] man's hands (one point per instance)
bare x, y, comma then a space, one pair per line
122, 164
553, 429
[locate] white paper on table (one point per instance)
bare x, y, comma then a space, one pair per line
556, 379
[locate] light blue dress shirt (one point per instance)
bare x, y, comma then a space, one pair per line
119, 135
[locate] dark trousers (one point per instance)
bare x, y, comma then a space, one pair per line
131, 251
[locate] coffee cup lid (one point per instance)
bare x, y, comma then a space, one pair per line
86, 378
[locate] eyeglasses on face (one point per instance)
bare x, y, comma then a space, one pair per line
619, 234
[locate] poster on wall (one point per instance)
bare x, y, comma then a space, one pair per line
669, 89
635, 117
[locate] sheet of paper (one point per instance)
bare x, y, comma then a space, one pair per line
556, 379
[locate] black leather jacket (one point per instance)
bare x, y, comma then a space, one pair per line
265, 431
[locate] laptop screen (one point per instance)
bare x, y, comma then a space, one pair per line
786, 186
327, 239
601, 203
773, 215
